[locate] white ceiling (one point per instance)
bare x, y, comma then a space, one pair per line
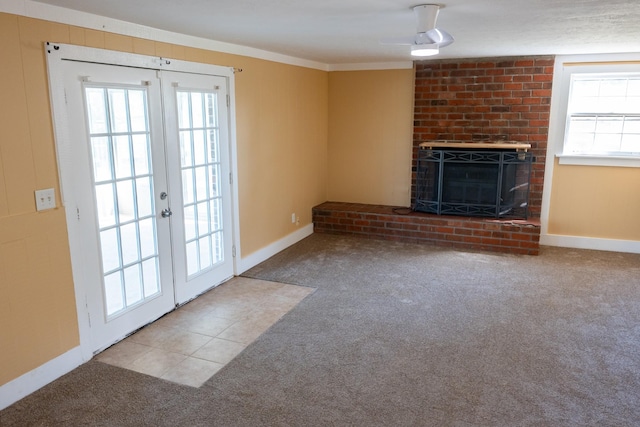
348, 31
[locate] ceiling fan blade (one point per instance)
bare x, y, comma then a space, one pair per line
439, 37
399, 40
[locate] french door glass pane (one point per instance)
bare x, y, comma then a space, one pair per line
101, 159
118, 110
96, 110
137, 111
141, 154
216, 212
150, 277
144, 199
202, 192
147, 238
105, 205
213, 142
189, 222
200, 164
132, 284
110, 250
204, 245
215, 180
185, 149
199, 150
122, 156
123, 185
217, 237
192, 258
113, 292
126, 206
187, 185
129, 241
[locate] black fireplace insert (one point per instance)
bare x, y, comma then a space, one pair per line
485, 183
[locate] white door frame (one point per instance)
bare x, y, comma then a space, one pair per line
56, 53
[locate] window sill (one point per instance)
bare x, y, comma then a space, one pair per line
599, 160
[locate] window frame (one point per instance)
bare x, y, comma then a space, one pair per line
566, 69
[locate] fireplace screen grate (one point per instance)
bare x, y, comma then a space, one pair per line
487, 183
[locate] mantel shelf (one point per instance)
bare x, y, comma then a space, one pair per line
477, 145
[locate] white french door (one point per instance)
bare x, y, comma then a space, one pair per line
199, 167
116, 132
151, 188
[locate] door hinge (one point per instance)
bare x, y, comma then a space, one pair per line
230, 178
228, 101
78, 213
233, 251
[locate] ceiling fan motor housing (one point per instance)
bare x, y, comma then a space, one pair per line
426, 14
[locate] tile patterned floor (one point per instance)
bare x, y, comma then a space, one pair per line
192, 343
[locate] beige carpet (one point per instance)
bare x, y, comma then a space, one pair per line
400, 334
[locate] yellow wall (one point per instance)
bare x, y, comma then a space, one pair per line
38, 318
370, 136
282, 114
600, 202
282, 122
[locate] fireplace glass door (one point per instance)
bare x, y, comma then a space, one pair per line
487, 183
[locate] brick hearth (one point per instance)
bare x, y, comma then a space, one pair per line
401, 224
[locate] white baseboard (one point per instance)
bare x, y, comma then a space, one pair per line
33, 380
267, 252
613, 245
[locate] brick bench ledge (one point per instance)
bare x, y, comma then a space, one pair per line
403, 224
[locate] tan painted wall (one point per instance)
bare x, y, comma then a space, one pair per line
282, 122
370, 136
38, 317
600, 202
282, 115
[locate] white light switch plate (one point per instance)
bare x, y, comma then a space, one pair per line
45, 199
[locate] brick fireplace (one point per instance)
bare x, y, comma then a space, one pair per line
481, 100
471, 101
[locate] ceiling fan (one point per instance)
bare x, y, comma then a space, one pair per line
428, 39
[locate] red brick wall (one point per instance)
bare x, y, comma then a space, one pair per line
495, 99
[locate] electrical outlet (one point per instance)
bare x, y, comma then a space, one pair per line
45, 199
293, 218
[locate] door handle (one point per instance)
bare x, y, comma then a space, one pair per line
166, 213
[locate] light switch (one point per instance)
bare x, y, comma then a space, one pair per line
45, 199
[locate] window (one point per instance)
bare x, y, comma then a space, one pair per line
603, 115
597, 111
